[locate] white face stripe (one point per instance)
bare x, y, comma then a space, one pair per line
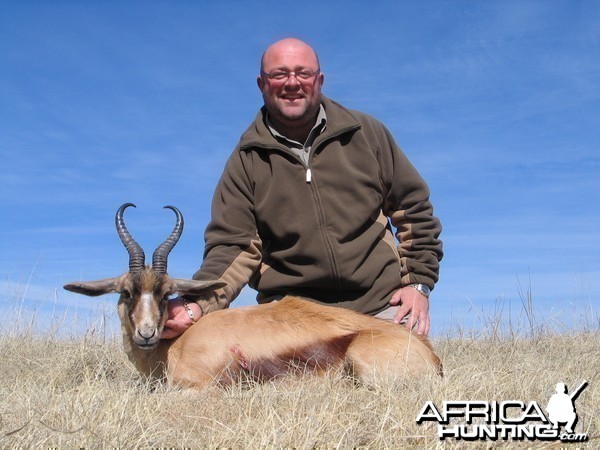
145, 308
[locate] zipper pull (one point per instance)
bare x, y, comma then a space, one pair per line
308, 175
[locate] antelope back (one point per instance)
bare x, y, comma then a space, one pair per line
295, 335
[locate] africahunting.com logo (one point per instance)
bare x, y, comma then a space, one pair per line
512, 419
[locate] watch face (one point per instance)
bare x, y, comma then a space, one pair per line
423, 289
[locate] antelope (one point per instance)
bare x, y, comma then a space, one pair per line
262, 342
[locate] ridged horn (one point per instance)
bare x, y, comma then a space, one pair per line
137, 259
160, 255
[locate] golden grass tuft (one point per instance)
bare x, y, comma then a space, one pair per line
83, 392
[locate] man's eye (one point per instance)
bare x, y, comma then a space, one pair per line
279, 75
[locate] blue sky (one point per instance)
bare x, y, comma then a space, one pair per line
496, 102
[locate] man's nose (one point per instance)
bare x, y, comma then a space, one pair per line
292, 81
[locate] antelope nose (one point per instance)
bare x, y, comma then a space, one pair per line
147, 333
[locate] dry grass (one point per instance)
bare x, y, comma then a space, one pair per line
84, 393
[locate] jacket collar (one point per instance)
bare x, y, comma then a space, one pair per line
339, 121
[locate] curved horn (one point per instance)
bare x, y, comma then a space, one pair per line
136, 254
160, 255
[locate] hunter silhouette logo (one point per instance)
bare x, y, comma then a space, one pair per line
561, 407
512, 419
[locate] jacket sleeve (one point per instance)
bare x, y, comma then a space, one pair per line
233, 250
407, 204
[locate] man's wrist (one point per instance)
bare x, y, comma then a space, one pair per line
188, 310
423, 289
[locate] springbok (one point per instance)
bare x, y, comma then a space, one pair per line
291, 336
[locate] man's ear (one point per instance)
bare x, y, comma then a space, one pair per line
260, 82
94, 288
321, 77
195, 287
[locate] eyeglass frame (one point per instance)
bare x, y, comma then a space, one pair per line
287, 74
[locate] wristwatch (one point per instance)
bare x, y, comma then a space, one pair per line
423, 289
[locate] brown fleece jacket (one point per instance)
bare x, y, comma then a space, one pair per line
322, 230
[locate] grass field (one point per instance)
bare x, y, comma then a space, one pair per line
83, 393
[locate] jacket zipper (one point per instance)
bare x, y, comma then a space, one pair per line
321, 213
335, 270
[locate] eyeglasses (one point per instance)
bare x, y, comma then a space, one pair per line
280, 75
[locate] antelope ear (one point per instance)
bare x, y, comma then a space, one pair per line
94, 288
195, 287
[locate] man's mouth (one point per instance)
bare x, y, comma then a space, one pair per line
291, 97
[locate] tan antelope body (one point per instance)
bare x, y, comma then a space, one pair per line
291, 336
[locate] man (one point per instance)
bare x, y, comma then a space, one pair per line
305, 202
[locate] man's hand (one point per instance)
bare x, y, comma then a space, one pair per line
414, 305
179, 319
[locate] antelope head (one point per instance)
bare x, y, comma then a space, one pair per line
144, 290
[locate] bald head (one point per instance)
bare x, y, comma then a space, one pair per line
291, 48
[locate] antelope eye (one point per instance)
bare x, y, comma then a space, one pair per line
126, 295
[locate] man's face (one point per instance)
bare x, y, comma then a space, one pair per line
292, 101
